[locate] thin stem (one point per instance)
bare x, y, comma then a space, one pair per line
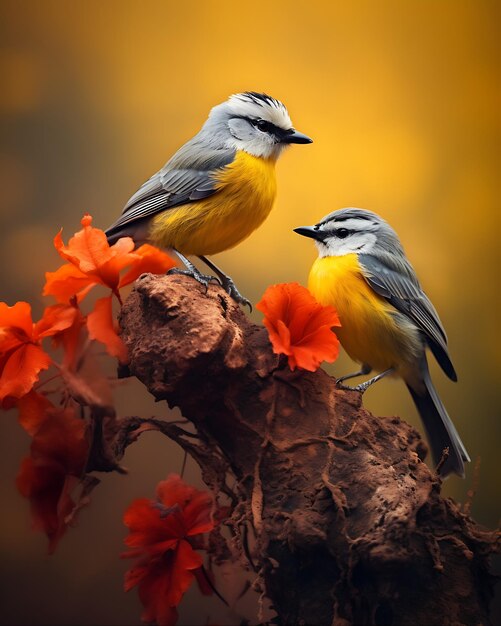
183, 466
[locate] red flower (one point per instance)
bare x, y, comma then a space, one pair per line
21, 355
163, 534
56, 464
299, 326
92, 261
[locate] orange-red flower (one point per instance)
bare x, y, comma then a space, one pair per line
162, 535
55, 467
299, 327
92, 261
21, 356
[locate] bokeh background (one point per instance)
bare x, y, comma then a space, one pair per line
402, 100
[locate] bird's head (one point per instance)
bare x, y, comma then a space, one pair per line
352, 230
255, 123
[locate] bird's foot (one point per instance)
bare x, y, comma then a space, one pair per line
361, 388
230, 287
203, 279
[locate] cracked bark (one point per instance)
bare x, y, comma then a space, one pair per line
350, 525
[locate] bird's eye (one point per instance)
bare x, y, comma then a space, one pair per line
263, 125
342, 233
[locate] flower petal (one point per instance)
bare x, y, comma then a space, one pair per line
299, 326
148, 529
21, 370
198, 514
280, 337
150, 259
55, 319
186, 560
90, 252
66, 282
71, 339
163, 581
173, 490
102, 327
87, 249
17, 316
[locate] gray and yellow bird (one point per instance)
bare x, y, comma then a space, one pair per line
387, 320
217, 188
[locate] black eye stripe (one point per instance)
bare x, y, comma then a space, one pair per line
270, 128
267, 127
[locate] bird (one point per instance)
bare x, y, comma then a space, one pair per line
217, 188
387, 321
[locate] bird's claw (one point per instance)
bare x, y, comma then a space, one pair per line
360, 388
230, 287
203, 279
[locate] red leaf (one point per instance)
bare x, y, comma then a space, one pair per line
62, 438
102, 327
299, 327
58, 455
48, 490
33, 409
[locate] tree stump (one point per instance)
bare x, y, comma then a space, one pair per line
349, 523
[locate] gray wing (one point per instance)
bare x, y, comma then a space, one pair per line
395, 280
172, 186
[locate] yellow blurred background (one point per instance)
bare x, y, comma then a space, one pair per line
402, 101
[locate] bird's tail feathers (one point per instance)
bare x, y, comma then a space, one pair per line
439, 427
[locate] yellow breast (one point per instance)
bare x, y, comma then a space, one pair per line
245, 196
370, 332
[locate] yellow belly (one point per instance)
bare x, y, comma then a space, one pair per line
369, 332
245, 196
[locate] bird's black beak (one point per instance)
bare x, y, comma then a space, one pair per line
310, 231
296, 137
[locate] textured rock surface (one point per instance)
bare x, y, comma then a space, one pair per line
349, 522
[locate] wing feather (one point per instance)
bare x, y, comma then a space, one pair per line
173, 186
394, 279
